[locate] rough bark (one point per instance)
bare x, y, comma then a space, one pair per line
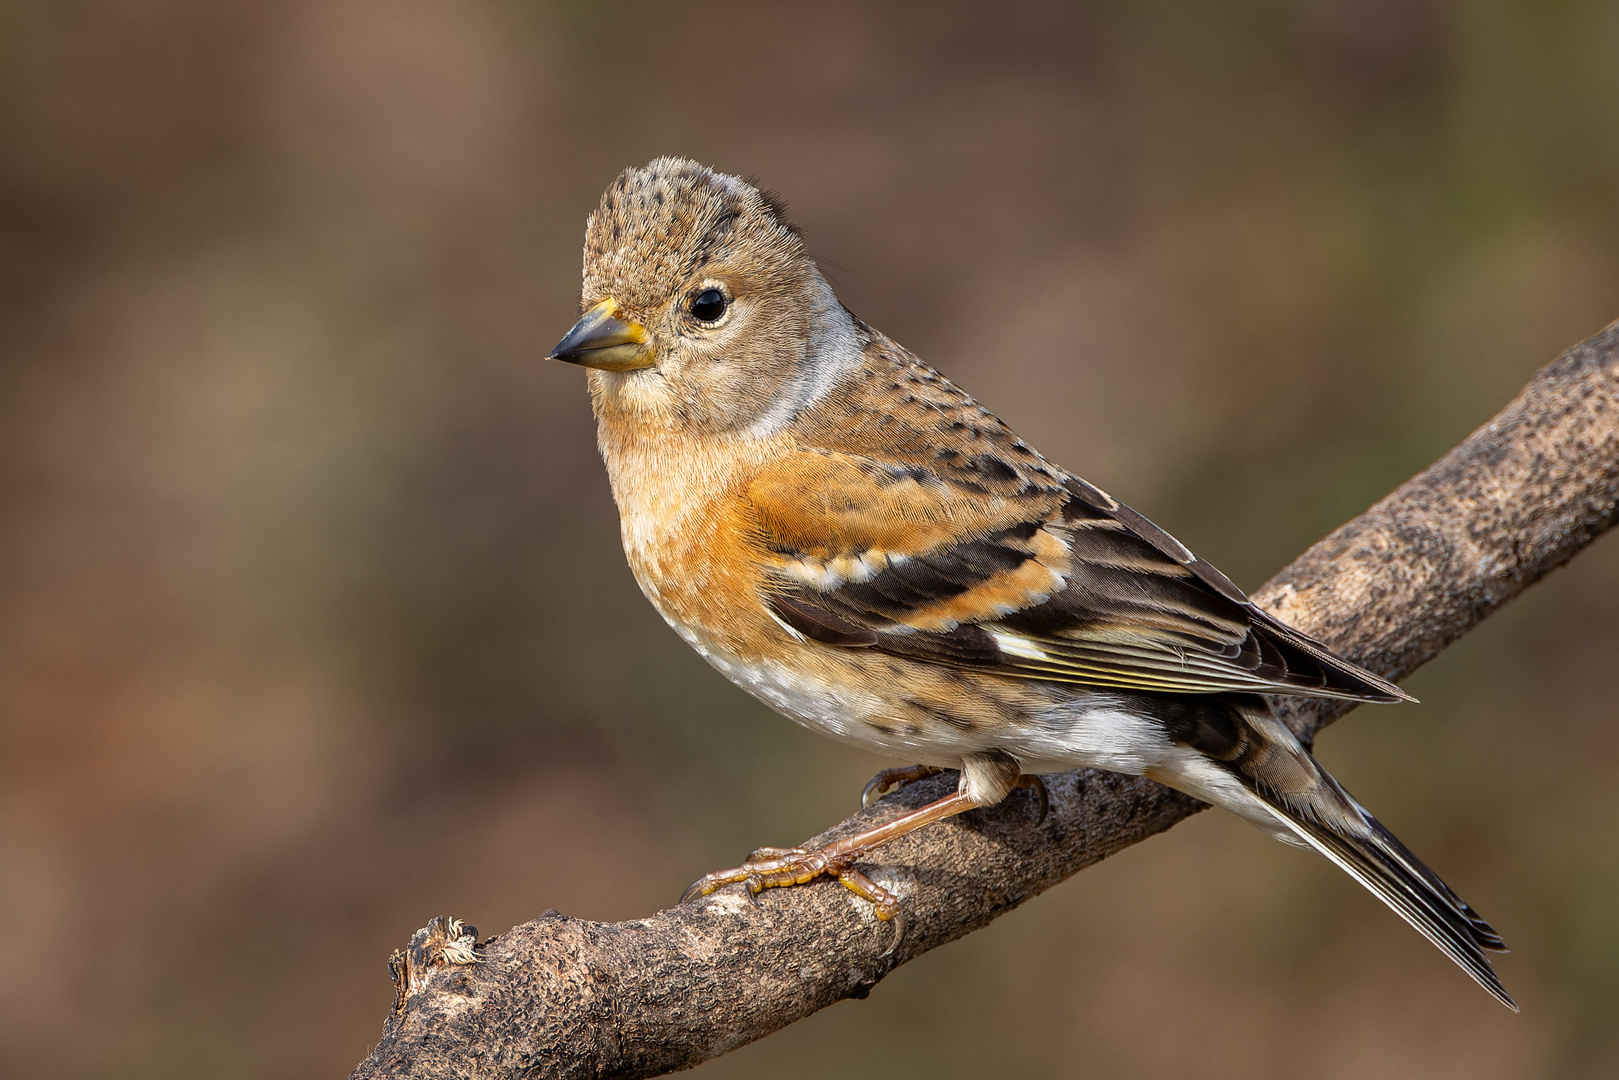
562, 997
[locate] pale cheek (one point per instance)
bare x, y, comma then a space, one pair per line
721, 395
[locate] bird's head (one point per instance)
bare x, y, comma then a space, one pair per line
702, 310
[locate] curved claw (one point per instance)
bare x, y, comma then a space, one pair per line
899, 934
885, 905
1033, 782
891, 780
696, 889
764, 868
712, 883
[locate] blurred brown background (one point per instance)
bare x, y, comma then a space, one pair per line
312, 609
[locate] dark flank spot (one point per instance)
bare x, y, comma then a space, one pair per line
994, 468
657, 197
617, 231
911, 378
971, 486
957, 425
944, 716
945, 453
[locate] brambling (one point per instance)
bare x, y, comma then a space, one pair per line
852, 539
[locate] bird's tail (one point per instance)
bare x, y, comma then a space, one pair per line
1378, 860
1285, 790
1331, 821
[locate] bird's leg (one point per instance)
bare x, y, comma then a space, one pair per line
770, 868
986, 777
891, 780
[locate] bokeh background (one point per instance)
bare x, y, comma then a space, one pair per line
313, 618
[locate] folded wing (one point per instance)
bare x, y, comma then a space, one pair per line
1024, 573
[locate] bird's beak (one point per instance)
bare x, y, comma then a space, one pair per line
606, 338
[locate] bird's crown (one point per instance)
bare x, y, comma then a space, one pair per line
658, 224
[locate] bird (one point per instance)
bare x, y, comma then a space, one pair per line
855, 541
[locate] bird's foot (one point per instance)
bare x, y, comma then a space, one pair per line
774, 868
771, 868
891, 780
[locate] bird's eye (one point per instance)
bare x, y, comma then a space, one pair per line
709, 305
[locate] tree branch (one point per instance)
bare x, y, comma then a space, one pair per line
561, 997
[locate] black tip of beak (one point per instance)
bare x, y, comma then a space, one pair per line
584, 335
604, 339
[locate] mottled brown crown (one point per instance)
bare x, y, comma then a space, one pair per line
659, 224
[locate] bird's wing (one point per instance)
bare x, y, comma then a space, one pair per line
1025, 573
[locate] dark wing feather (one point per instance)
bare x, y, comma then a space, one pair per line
1087, 592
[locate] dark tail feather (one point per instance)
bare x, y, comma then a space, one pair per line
1483, 932
1398, 878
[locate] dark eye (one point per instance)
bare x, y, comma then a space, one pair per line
708, 305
